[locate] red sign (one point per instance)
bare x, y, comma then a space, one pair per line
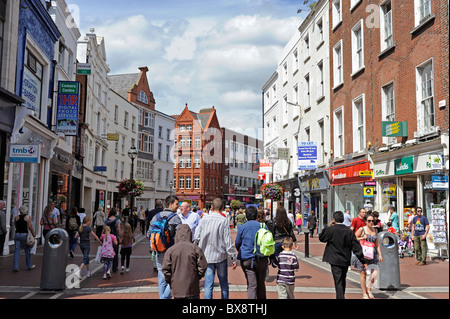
261, 176
348, 174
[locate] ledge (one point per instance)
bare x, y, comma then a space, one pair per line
422, 24
386, 51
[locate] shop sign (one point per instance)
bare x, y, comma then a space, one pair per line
261, 176
348, 174
84, 68
24, 153
368, 191
100, 168
439, 182
365, 173
403, 165
67, 108
392, 129
283, 153
265, 166
435, 162
112, 137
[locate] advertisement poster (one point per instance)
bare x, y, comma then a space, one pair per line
67, 112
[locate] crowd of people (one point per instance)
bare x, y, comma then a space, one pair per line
197, 244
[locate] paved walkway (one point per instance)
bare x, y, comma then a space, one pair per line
313, 281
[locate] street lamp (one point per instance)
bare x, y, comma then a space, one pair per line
132, 153
171, 185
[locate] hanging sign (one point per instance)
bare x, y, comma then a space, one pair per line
68, 104
24, 153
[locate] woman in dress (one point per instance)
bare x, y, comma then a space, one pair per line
368, 233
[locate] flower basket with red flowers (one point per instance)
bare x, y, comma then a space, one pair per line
272, 191
130, 187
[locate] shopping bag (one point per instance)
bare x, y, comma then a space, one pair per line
368, 249
33, 249
98, 257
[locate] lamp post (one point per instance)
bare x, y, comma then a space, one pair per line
132, 153
171, 185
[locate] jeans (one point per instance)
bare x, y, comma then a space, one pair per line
222, 273
72, 240
163, 286
85, 249
20, 240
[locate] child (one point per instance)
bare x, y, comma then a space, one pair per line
126, 241
392, 229
84, 231
107, 252
287, 265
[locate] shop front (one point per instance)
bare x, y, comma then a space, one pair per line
411, 177
314, 196
350, 188
289, 187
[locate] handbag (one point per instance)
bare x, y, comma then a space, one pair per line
98, 257
30, 239
368, 249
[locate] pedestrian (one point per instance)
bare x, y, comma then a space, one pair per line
85, 244
23, 225
172, 204
419, 232
99, 221
188, 217
142, 220
73, 223
347, 218
377, 221
108, 253
56, 215
126, 242
340, 242
413, 214
158, 208
253, 265
81, 213
298, 221
369, 234
281, 228
115, 228
358, 222
184, 264
393, 218
3, 228
126, 212
287, 266
240, 218
47, 220
312, 223
214, 238
133, 219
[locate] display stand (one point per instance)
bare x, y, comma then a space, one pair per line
439, 231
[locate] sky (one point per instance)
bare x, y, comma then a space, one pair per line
203, 53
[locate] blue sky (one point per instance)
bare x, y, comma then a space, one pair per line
199, 52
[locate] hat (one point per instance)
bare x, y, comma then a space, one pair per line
23, 210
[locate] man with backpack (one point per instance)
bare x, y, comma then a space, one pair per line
254, 243
162, 229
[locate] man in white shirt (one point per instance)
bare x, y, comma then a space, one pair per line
188, 217
56, 214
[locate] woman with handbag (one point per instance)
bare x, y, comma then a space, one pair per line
368, 238
23, 228
281, 227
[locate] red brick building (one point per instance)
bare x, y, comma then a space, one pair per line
388, 62
198, 159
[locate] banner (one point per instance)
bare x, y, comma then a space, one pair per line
348, 174
67, 111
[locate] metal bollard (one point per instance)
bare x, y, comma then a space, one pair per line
306, 244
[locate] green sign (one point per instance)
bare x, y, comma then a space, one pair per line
404, 165
392, 129
84, 68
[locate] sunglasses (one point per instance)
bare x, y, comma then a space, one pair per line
370, 220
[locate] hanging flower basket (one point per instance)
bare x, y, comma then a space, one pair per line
235, 204
130, 187
272, 191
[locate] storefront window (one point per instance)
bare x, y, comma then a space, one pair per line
431, 196
388, 194
349, 197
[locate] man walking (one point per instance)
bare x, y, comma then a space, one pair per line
213, 237
253, 265
419, 232
173, 222
341, 242
188, 217
358, 222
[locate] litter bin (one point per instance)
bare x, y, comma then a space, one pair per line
389, 269
54, 261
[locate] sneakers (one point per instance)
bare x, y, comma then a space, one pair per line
127, 270
108, 274
88, 274
122, 270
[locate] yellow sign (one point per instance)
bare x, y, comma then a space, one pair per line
112, 137
365, 173
368, 191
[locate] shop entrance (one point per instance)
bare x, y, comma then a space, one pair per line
409, 193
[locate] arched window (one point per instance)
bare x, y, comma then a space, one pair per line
142, 97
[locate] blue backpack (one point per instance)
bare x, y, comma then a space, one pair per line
160, 238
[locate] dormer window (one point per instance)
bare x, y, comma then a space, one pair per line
142, 97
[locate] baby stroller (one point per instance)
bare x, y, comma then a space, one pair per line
405, 246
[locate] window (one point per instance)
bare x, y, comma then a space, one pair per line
295, 60
167, 153
181, 183
197, 162
133, 123
116, 163
189, 127
319, 25
306, 45
159, 151
295, 107
188, 182
337, 64
388, 108
196, 182
357, 47
425, 97
337, 12
159, 176
160, 129
188, 162
320, 84
339, 132
285, 110
149, 119
197, 141
147, 141
122, 165
386, 26
307, 92
321, 146
285, 73
168, 134
116, 114
125, 120
142, 97
422, 10
32, 83
358, 124
182, 128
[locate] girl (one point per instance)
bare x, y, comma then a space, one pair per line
107, 252
126, 241
84, 232
281, 227
368, 233
47, 220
